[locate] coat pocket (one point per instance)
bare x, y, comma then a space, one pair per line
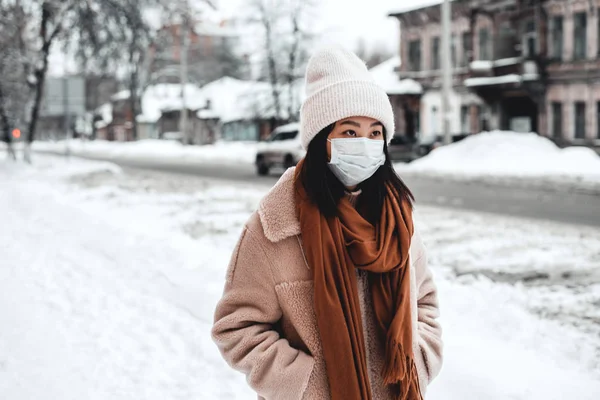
299, 326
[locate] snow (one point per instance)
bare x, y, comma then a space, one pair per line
122, 95
105, 112
481, 65
413, 7
110, 279
164, 151
167, 97
499, 80
208, 114
234, 100
510, 155
385, 75
503, 62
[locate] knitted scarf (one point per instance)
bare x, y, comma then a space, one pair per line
334, 248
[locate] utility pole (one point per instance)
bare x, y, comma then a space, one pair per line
446, 70
67, 119
183, 70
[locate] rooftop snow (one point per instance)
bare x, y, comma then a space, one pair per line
416, 5
167, 96
503, 62
481, 65
385, 75
233, 99
499, 80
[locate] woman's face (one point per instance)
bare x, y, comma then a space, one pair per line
355, 127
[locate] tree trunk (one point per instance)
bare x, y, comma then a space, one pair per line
6, 133
292, 66
40, 78
133, 100
271, 60
133, 84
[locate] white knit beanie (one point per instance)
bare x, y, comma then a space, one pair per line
338, 86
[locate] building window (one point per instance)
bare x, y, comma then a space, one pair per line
466, 47
580, 35
556, 32
579, 120
453, 50
530, 39
465, 125
557, 120
484, 44
435, 53
414, 55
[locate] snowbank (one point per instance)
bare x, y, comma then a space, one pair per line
237, 153
510, 155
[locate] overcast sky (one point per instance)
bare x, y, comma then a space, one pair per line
345, 21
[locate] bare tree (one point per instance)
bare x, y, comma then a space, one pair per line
98, 30
286, 30
374, 54
46, 22
113, 36
13, 90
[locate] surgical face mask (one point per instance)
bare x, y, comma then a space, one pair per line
355, 160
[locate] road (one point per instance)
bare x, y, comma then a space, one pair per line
573, 208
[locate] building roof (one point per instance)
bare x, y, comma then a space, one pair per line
167, 97
415, 6
235, 100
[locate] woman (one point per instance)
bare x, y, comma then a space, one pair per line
328, 294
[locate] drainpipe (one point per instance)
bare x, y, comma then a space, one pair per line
446, 70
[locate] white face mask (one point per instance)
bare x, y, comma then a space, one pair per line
355, 160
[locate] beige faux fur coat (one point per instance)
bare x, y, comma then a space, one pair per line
265, 325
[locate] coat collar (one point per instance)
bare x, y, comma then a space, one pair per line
277, 210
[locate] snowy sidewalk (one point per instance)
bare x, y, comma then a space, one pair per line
159, 151
109, 282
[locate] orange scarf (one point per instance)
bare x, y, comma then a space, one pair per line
334, 248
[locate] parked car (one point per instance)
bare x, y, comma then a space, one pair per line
407, 149
281, 149
403, 148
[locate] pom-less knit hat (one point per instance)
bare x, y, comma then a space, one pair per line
338, 86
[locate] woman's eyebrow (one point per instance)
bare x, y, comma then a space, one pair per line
350, 122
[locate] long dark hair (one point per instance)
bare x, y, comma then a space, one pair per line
325, 190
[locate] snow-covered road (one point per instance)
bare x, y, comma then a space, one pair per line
108, 281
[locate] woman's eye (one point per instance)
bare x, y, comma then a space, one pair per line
376, 133
350, 133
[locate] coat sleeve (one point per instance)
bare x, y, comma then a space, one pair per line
428, 327
244, 326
